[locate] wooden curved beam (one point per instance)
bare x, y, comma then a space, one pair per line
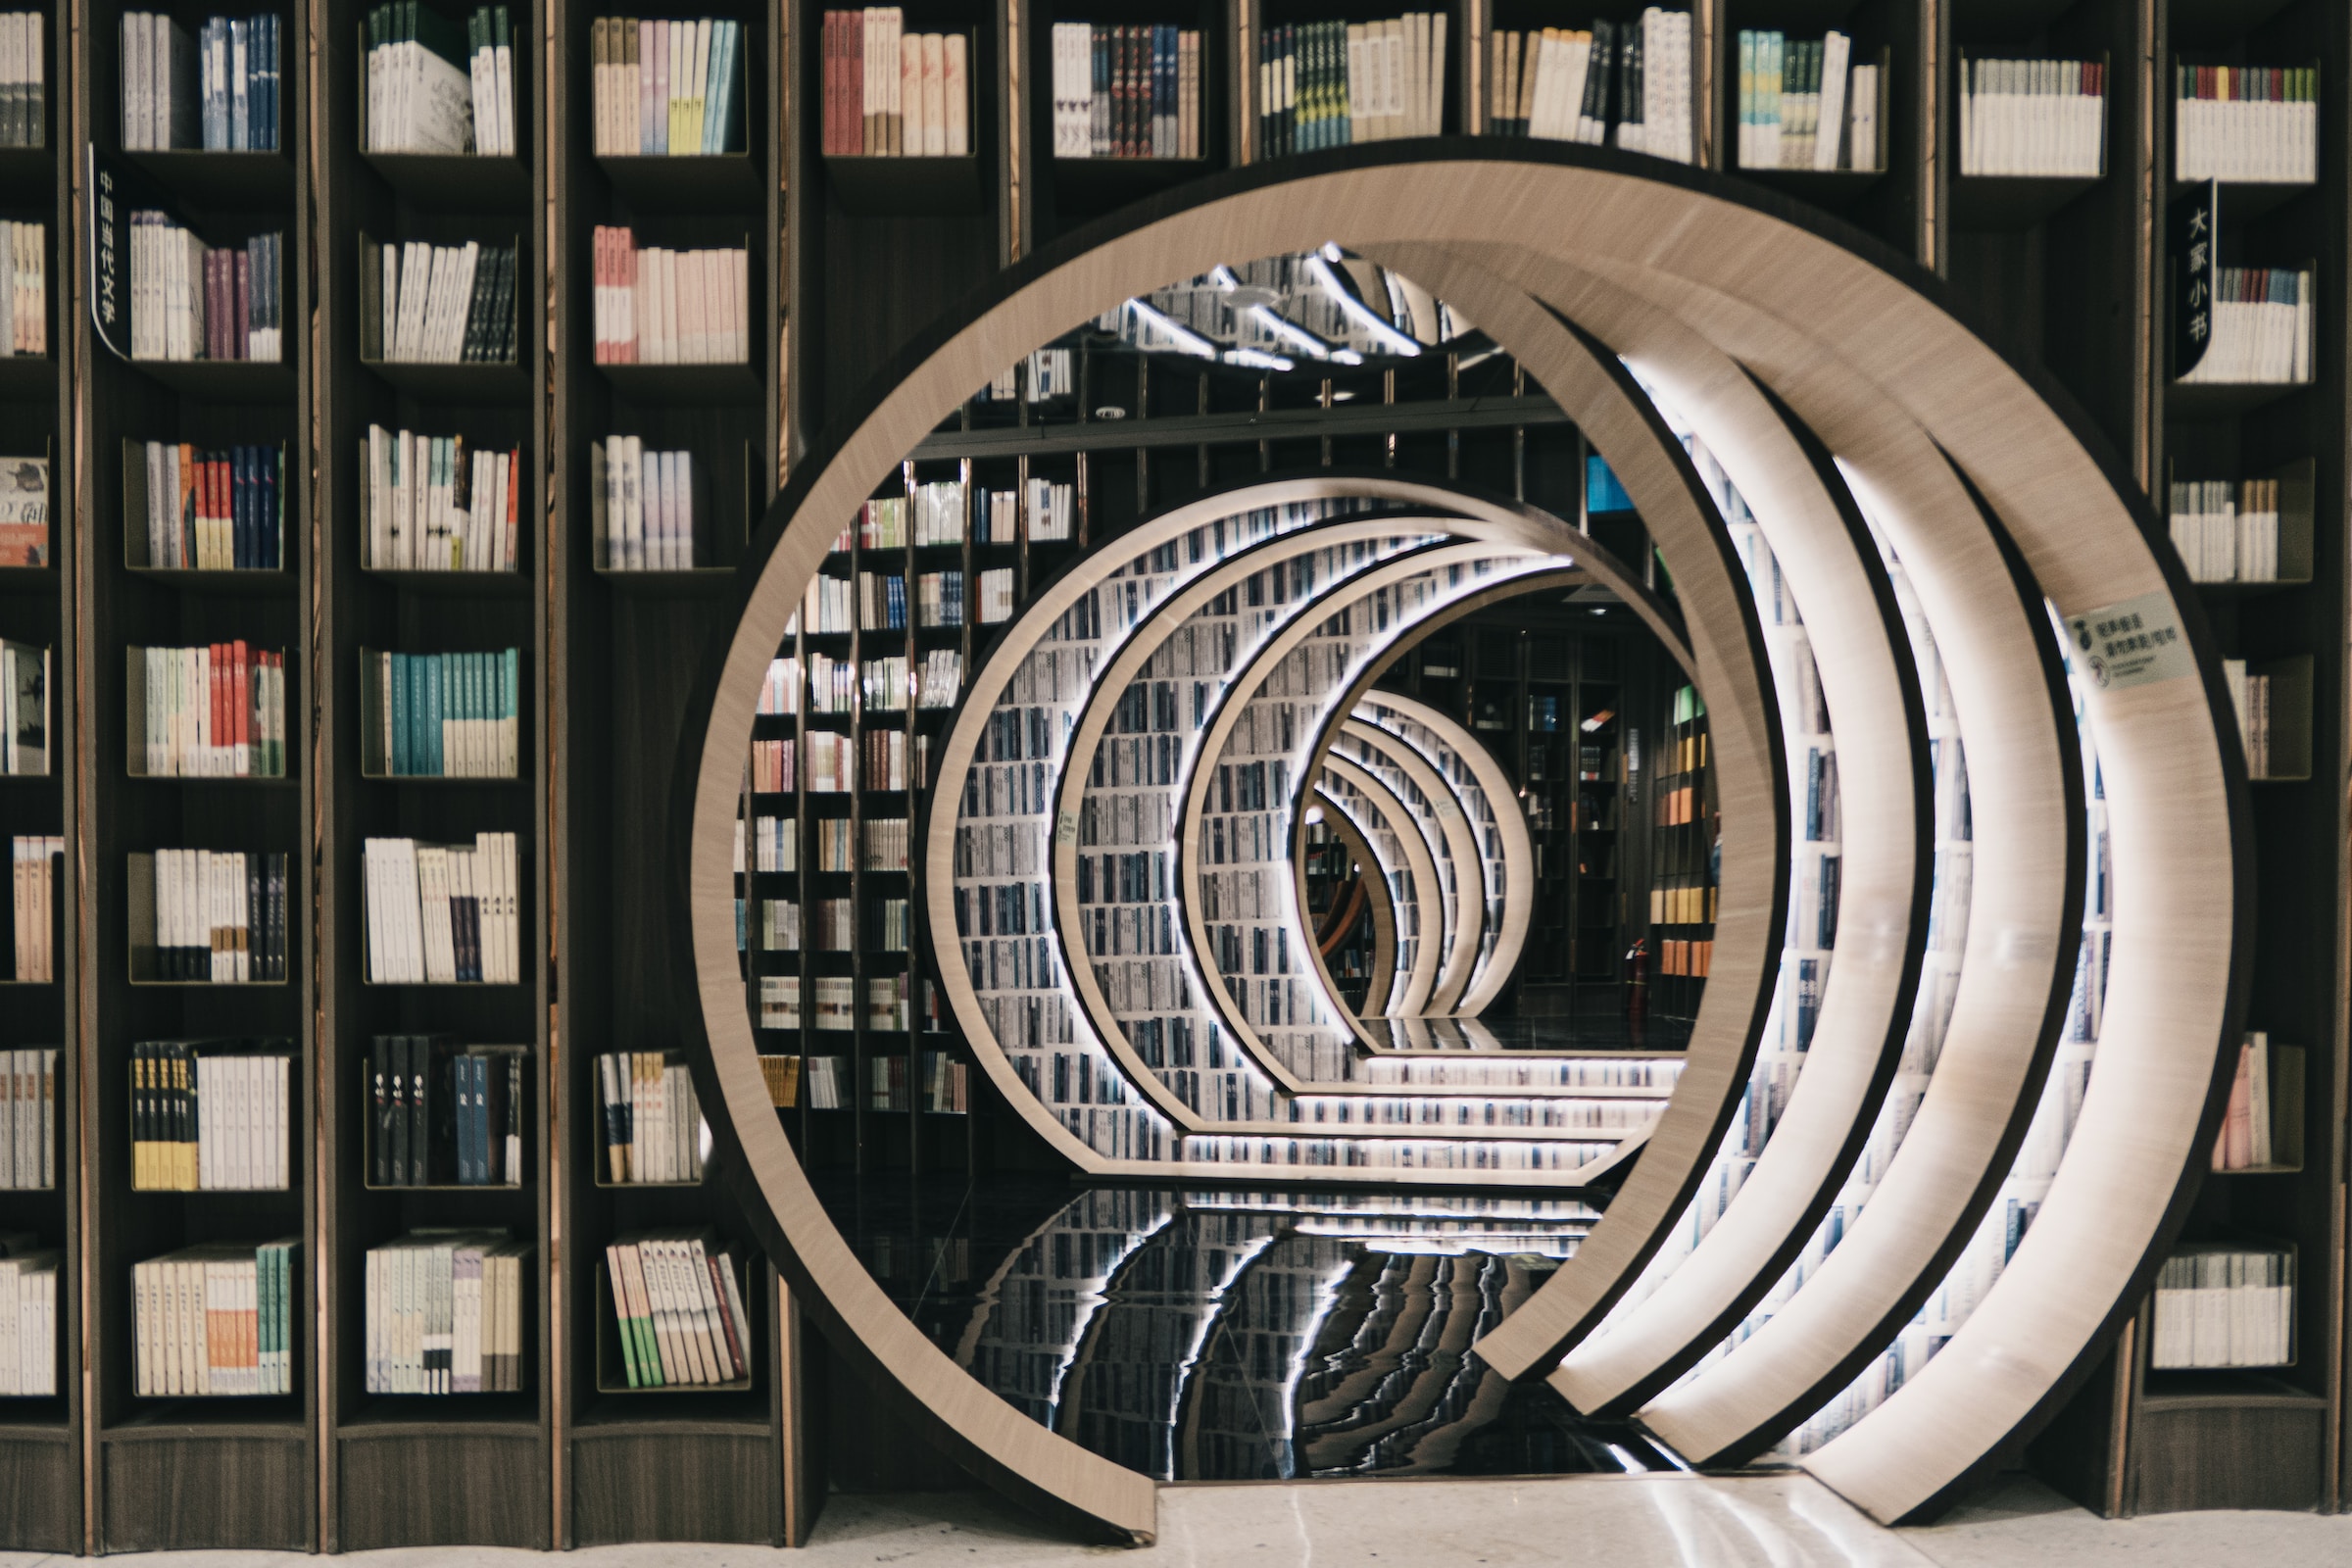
1408, 995
1446, 826
1375, 893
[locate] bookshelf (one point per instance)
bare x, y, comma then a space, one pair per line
851, 259
41, 1456
222, 1471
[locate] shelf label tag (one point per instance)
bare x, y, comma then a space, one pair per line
2133, 642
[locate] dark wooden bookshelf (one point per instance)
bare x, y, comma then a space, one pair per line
42, 1448
416, 1470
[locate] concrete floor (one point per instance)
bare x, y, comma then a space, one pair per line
1782, 1521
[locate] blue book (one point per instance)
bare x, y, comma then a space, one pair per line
433, 699
273, 531
240, 508
400, 762
511, 707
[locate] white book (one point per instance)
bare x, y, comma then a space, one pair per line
502, 114
1828, 143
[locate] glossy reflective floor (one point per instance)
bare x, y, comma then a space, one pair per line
1205, 1336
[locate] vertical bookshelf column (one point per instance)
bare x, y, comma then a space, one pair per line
436, 648
665, 456
40, 1413
188, 1462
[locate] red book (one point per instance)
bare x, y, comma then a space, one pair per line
832, 65
625, 261
514, 502
242, 691
599, 267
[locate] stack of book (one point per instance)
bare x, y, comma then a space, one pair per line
665, 307
2262, 328
886, 844
445, 1112
1052, 508
641, 505
946, 1084
1805, 105
779, 1001
445, 1312
192, 301
775, 844
2251, 124
215, 1320
432, 503
780, 692
832, 764
2250, 696
24, 709
2227, 532
832, 685
772, 768
666, 87
1047, 375
826, 606
23, 511
996, 596
24, 78
887, 763
1329, 83
652, 1123
1126, 92
2033, 117
37, 869
219, 91
440, 716
1565, 85
431, 92
939, 678
677, 1303
939, 599
207, 511
24, 296
823, 1077
29, 1126
217, 711
210, 1115
890, 93
939, 513
885, 682
444, 914
28, 1319
2263, 1129
886, 1083
208, 917
835, 929
779, 930
881, 601
783, 1076
427, 303
2222, 1303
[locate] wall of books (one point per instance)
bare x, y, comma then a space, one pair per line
448, 363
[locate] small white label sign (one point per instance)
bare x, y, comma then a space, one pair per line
2131, 643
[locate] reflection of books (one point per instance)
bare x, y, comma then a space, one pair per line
23, 511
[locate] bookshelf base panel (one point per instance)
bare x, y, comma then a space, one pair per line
177, 1495
2221, 1456
666, 1487
41, 1493
443, 1491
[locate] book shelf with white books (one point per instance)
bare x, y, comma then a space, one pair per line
1778, 83
903, 112
1131, 98
447, 95
40, 1428
663, 449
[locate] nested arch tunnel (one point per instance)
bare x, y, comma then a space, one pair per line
1761, 386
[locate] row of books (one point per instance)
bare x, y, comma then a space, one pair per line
775, 844
434, 502
779, 926
28, 1129
677, 1303
210, 1115
219, 91
215, 1320
997, 597
823, 1075
208, 917
2223, 1304
1046, 375
1685, 957
24, 302
939, 599
1052, 510
664, 307
772, 768
445, 1311
24, 78
641, 505
666, 86
893, 683
780, 688
2262, 328
440, 716
2255, 123
653, 1122
890, 93
2227, 532
193, 301
886, 844
2263, 1127
1631, 78
1693, 905
2033, 117
37, 870
206, 511
1329, 83
23, 511
935, 511
29, 1315
427, 303
445, 1112
216, 712
24, 709
832, 763
1126, 91
2250, 698
444, 914
1804, 104
431, 92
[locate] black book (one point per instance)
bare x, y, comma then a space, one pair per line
1630, 86
1597, 72
445, 1108
257, 894
510, 1154
380, 1073
421, 1109
397, 1108
141, 1134
183, 1092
